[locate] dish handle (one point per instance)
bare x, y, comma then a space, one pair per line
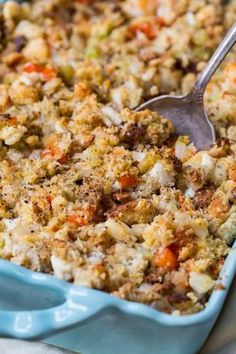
27, 317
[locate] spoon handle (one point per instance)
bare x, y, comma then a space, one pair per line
216, 59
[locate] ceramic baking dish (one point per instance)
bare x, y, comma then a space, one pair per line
38, 306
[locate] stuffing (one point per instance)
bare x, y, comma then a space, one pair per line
93, 191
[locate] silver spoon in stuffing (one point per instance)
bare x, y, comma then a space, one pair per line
187, 112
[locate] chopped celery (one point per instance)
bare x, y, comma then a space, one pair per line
2, 243
67, 73
105, 30
92, 53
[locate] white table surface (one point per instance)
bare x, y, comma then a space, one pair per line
221, 341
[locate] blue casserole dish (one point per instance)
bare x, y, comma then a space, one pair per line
36, 306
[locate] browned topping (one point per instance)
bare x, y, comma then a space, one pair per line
12, 59
221, 149
133, 132
203, 197
217, 207
178, 165
122, 196
122, 209
178, 298
153, 276
93, 191
194, 176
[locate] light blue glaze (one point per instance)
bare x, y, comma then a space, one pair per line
38, 306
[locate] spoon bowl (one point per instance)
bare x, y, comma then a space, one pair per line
187, 112
187, 115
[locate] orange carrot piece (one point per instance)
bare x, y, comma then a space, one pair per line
49, 198
127, 181
165, 259
47, 73
30, 68
75, 219
146, 28
12, 121
230, 67
160, 21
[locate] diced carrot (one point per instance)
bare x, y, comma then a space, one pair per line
143, 4
146, 28
12, 121
160, 21
165, 259
55, 150
127, 181
47, 73
148, 6
230, 67
76, 219
49, 198
30, 68
83, 215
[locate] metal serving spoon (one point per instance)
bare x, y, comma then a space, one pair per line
187, 112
